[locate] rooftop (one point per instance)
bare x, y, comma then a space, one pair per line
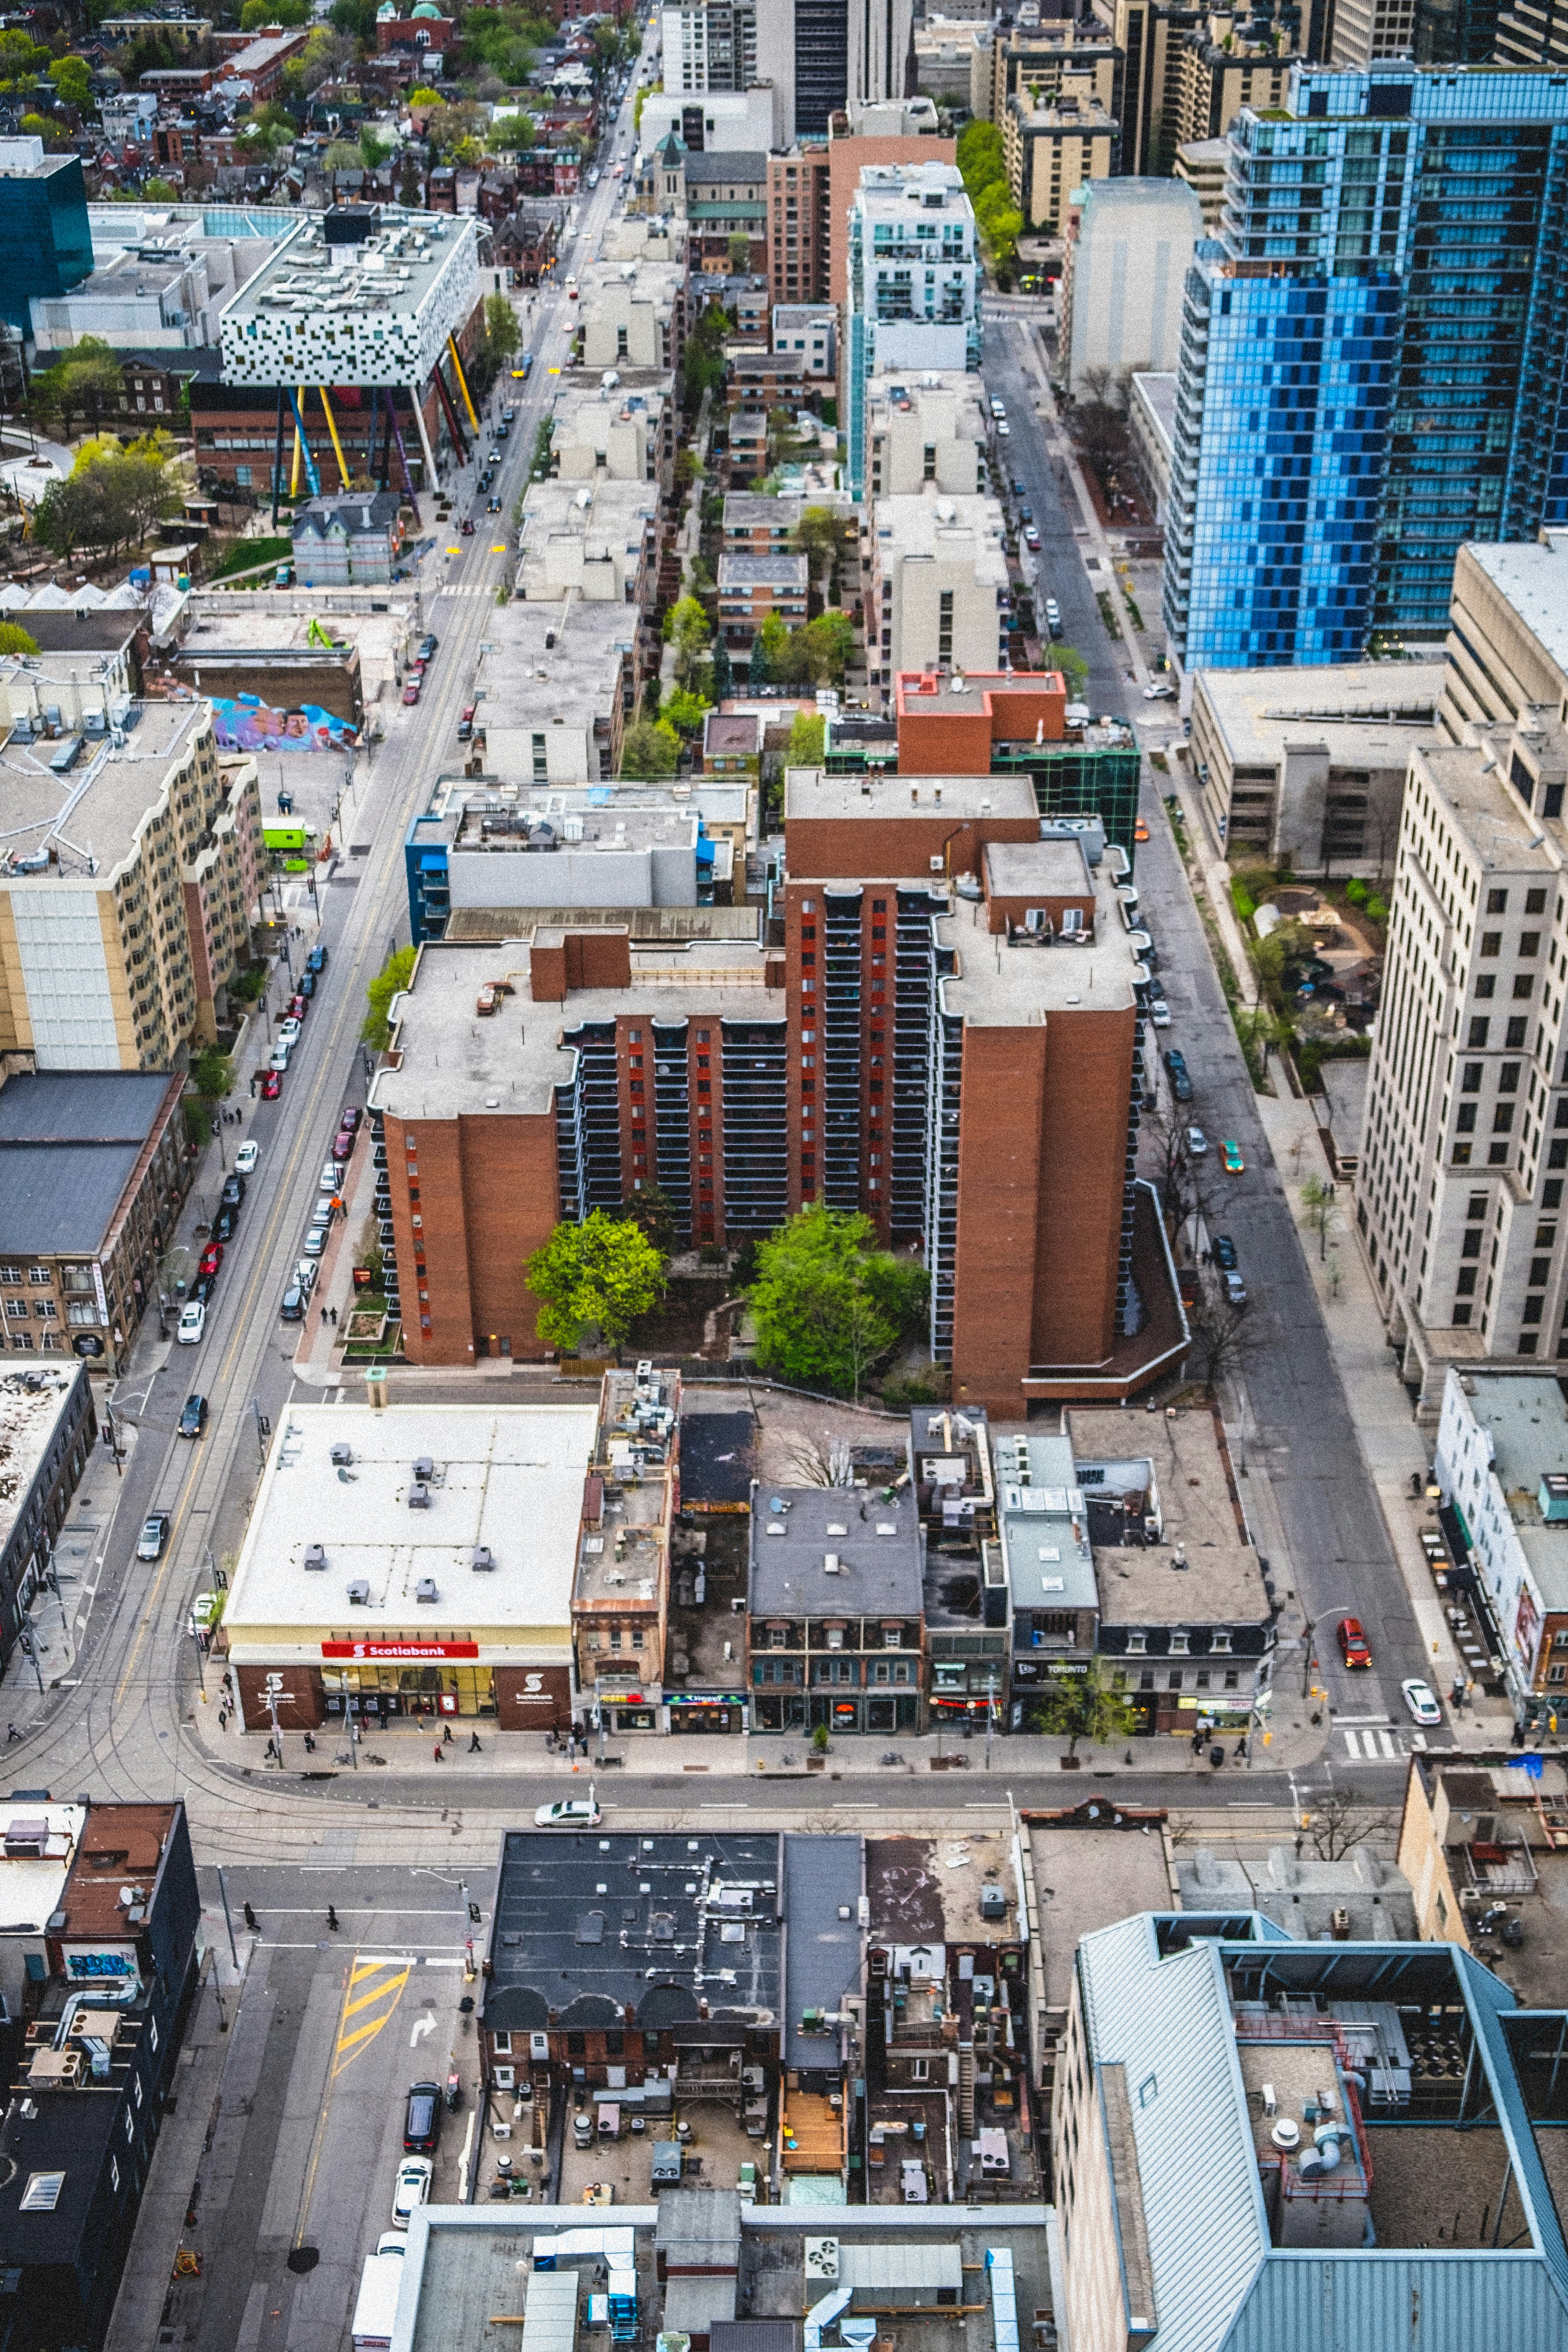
950, 526
1159, 391
545, 660
813, 792
875, 1546
106, 796
590, 1929
1044, 1525
717, 1453
754, 510
119, 1844
504, 1478
1485, 808
31, 1405
1382, 706
392, 271
931, 1890
885, 188
1535, 578
762, 570
1054, 868
1528, 1422
38, 1845
69, 1143
725, 165
625, 1539
450, 1062
1005, 982
824, 1943
1201, 1571
1362, 1895
1091, 1864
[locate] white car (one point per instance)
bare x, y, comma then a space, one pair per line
288, 1031
322, 1215
193, 1323
1421, 1702
998, 409
414, 2174
331, 1179
1197, 1142
247, 1156
204, 1609
305, 1275
389, 2242
1160, 1012
1159, 692
278, 1058
1004, 430
570, 1813
315, 1242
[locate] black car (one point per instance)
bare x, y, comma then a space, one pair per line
1224, 1250
225, 1224
203, 1289
233, 1189
502, 431
422, 2123
494, 507
317, 959
1181, 1083
293, 1307
194, 1420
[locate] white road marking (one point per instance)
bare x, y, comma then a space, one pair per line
425, 2025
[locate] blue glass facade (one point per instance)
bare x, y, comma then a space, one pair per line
43, 235
1373, 363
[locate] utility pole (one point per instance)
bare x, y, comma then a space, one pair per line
228, 1919
277, 1727
263, 1429
990, 1715
196, 1646
30, 1650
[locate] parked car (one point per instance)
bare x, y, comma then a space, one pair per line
1031, 539
414, 2174
331, 1175
1231, 1157
569, 1814
1053, 617
1160, 1013
233, 1189
427, 646
351, 1118
277, 1060
293, 1307
410, 691
203, 1289
1235, 1290
422, 2119
323, 1212
1026, 512
466, 723
305, 1275
193, 1419
315, 1242
297, 1007
1197, 1142
204, 1612
225, 1224
306, 985
247, 1156
342, 1144
1180, 1077
317, 959
1160, 692
193, 1323
154, 1535
466, 527
212, 1258
288, 1030
1224, 1250
1354, 1647
1422, 1701
272, 1085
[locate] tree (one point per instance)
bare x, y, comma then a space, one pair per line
808, 736
86, 382
1222, 1339
757, 670
1073, 669
375, 1030
820, 538
652, 1211
1165, 1135
1000, 222
650, 747
981, 158
826, 1302
685, 711
721, 683
341, 156
1339, 1822
502, 332
1085, 1706
687, 629
254, 13
593, 1280
408, 187
1320, 1200
823, 649
15, 640
373, 149
159, 190
739, 254
213, 1074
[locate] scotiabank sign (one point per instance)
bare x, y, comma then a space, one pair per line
417, 1650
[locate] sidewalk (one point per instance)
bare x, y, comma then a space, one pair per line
1214, 873
60, 1623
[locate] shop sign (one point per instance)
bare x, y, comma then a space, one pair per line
707, 1698
98, 1292
415, 1649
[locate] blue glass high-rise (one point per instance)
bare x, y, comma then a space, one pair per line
1373, 362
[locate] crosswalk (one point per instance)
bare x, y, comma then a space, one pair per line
1374, 1742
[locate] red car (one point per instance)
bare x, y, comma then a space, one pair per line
272, 1085
410, 691
1354, 1647
212, 1258
297, 1008
350, 1119
342, 1147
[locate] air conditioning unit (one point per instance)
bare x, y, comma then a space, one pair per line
359, 1593
483, 1557
342, 1455
424, 1470
426, 1592
418, 1498
315, 1556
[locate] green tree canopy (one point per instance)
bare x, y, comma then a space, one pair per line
980, 157
15, 640
85, 383
820, 538
1085, 1708
256, 14
827, 1302
375, 1029
593, 1280
1073, 669
808, 738
689, 631
685, 710
650, 747
110, 502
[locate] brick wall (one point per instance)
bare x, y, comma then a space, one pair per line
487, 1198
1088, 1078
999, 1226
905, 844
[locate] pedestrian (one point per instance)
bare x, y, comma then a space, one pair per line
474, 1747
250, 1918
253, 1087
11, 1733
447, 1734
334, 1319
323, 1314
331, 1919
438, 1752
223, 1718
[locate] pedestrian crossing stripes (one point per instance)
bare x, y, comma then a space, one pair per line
1373, 1745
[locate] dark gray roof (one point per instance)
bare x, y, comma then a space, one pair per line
715, 1457
738, 166
68, 1143
107, 630
360, 510
586, 1925
878, 1575
821, 1880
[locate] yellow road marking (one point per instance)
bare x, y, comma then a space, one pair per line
353, 2008
349, 2045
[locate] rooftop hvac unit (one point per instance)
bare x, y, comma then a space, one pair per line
418, 1498
426, 1589
424, 1470
359, 1593
483, 1556
342, 1453
315, 1556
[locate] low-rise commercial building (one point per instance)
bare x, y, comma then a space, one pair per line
590, 542
625, 431
924, 426
952, 1477
621, 1593
1501, 1463
1307, 768
753, 589
434, 1581
48, 1427
631, 307
835, 1613
556, 682
116, 959
93, 1169
939, 597
1186, 1622
1049, 1563
111, 1970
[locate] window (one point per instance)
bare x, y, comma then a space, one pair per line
1174, 1680
920, 2069
1220, 1642
1496, 903
1137, 1643
1476, 1039
892, 1637
1516, 1031
1470, 1082
39, 1275
1179, 1646
1491, 941
1485, 984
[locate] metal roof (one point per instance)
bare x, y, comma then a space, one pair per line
822, 1949
1461, 2302
68, 1146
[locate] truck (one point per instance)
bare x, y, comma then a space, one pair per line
377, 2305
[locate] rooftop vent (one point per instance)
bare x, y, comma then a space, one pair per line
359, 1593
418, 1498
342, 1455
484, 1557
426, 1589
424, 1470
315, 1556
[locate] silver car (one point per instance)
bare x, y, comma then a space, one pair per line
315, 1241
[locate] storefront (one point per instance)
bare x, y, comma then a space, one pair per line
386, 1689
707, 1711
388, 1685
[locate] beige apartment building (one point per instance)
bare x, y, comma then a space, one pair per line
938, 591
1052, 147
923, 425
1465, 1153
132, 866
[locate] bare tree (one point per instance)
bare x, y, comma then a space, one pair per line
1222, 1339
821, 1461
1319, 1200
1166, 1134
1339, 1821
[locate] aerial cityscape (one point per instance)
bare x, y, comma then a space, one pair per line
971, 599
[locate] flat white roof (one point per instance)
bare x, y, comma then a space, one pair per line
506, 1476
34, 1870
31, 1404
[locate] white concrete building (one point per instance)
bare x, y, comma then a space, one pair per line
920, 428
590, 540
1465, 1153
1129, 245
1501, 1462
1151, 421
914, 286
938, 595
613, 429
731, 121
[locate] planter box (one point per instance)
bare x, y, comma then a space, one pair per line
1071, 1763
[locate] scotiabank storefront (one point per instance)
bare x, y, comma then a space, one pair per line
383, 1684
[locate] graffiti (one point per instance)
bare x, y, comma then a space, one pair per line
245, 723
